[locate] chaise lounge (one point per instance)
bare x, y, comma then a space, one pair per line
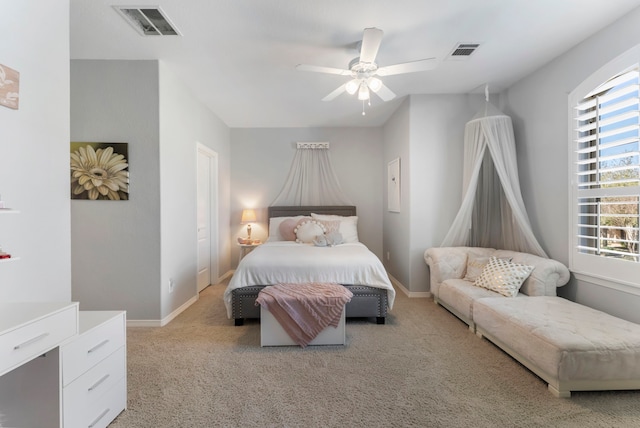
571, 346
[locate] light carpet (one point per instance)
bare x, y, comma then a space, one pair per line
424, 368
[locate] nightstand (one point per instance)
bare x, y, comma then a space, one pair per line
246, 249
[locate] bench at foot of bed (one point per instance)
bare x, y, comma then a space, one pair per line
367, 302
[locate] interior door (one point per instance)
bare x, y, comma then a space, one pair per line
206, 217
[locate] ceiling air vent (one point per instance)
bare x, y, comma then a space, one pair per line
148, 20
463, 50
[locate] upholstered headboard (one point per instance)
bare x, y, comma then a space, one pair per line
287, 211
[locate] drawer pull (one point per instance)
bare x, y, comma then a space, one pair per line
30, 341
97, 384
98, 346
96, 420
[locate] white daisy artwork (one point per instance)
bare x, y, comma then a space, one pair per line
99, 171
9, 87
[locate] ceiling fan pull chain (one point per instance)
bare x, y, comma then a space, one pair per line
363, 113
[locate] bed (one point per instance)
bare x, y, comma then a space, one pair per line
279, 260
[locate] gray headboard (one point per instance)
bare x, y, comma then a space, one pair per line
287, 211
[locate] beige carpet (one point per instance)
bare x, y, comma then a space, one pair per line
424, 368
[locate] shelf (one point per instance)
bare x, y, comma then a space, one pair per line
11, 259
8, 211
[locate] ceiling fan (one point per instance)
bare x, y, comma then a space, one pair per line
364, 70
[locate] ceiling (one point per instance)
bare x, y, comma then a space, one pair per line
239, 56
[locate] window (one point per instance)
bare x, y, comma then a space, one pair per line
605, 182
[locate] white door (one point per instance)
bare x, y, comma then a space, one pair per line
207, 184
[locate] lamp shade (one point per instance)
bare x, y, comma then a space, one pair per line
248, 216
363, 92
352, 86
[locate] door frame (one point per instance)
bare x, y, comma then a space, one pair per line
214, 250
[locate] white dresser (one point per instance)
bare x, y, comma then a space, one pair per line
30, 336
94, 367
60, 366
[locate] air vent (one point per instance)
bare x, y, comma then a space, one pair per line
463, 50
148, 21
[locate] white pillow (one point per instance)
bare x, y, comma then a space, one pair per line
503, 276
348, 225
274, 227
308, 230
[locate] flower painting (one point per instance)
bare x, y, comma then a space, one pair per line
99, 171
9, 87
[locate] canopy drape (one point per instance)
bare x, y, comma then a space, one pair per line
492, 213
311, 179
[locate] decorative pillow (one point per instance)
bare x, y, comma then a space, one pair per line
331, 225
329, 239
503, 276
348, 225
287, 226
308, 230
475, 265
274, 227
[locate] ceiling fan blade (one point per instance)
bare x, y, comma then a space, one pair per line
370, 44
320, 69
385, 93
408, 67
335, 93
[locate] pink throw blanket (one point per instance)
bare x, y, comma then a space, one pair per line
304, 310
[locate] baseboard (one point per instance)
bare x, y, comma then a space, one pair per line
166, 320
417, 294
225, 276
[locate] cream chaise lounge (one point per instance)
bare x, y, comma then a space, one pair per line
571, 346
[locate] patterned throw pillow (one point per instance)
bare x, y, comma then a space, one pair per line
503, 276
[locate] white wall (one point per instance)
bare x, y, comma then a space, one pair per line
184, 121
538, 105
34, 152
116, 244
261, 159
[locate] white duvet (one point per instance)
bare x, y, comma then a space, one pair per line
290, 262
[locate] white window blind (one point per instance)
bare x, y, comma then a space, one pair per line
606, 186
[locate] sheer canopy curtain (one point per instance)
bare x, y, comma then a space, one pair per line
311, 179
492, 213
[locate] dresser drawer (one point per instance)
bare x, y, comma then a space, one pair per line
94, 384
101, 333
99, 413
31, 339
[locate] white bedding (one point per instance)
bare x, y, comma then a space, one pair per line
290, 262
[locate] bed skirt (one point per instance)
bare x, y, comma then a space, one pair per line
367, 302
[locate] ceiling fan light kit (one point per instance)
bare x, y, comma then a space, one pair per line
363, 71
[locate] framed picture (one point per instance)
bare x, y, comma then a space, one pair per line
393, 185
100, 171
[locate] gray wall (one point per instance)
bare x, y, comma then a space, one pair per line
261, 159
34, 153
123, 253
538, 105
116, 245
397, 225
427, 133
184, 121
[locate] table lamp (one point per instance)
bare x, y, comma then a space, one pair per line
248, 217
